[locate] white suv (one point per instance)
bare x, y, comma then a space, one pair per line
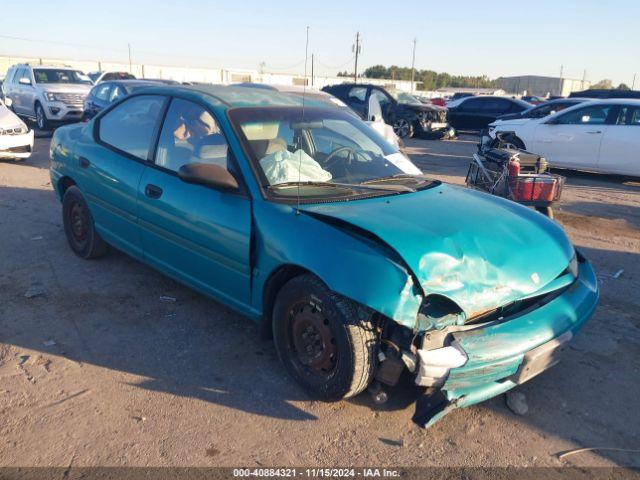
47, 94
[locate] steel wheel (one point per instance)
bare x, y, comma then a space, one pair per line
402, 128
81, 234
79, 222
326, 342
312, 341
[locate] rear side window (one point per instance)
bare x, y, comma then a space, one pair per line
358, 94
472, 104
101, 92
130, 126
629, 115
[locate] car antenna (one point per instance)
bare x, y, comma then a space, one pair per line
304, 94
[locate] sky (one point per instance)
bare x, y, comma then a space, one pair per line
493, 38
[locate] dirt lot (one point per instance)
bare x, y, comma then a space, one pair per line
96, 370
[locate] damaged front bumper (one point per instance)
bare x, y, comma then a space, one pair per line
486, 361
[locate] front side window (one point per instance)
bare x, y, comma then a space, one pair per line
117, 93
326, 153
190, 134
593, 115
129, 127
382, 98
60, 75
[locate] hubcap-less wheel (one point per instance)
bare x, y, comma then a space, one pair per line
79, 222
312, 340
40, 120
402, 128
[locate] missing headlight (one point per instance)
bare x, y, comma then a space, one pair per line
438, 312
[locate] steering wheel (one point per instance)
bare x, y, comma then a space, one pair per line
352, 155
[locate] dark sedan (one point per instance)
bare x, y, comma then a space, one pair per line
475, 113
105, 93
544, 109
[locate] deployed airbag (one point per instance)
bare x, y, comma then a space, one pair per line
284, 166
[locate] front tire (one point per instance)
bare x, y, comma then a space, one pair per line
325, 341
41, 118
403, 128
79, 228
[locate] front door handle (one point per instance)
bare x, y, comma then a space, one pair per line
84, 163
595, 132
152, 191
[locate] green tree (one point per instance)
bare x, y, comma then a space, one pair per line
605, 84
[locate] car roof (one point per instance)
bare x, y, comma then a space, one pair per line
613, 101
131, 82
235, 96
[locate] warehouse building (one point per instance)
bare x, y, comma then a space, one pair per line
542, 86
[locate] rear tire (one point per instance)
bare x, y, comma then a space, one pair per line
79, 228
326, 342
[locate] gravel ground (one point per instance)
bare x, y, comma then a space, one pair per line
96, 370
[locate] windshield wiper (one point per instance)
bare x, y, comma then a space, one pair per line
388, 188
398, 176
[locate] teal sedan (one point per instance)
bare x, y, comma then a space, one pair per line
304, 219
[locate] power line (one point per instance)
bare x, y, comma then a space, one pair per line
335, 66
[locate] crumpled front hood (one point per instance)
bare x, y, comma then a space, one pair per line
480, 251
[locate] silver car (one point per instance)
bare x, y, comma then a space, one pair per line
49, 95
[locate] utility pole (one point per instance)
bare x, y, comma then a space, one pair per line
560, 80
129, 47
356, 49
413, 64
633, 84
312, 69
584, 78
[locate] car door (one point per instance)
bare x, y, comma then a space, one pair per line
621, 143
386, 103
356, 98
572, 139
17, 95
110, 167
464, 115
194, 233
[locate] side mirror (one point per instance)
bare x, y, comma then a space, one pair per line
24, 81
213, 176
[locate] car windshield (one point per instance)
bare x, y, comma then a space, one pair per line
404, 98
322, 152
54, 75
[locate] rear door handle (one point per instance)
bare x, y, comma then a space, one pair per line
595, 132
84, 163
152, 191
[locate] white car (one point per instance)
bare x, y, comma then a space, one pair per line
599, 136
16, 140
